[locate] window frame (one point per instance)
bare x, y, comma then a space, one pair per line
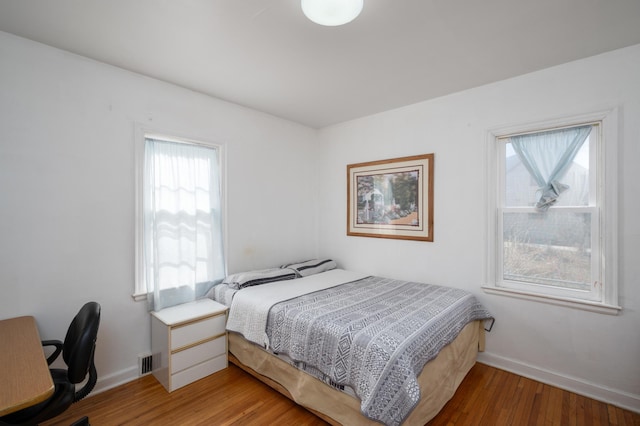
603, 159
141, 133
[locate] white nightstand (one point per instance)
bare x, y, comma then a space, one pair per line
192, 342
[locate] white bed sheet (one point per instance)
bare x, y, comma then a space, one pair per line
250, 307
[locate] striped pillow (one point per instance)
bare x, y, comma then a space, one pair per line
310, 267
263, 276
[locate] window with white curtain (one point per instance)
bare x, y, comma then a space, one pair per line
180, 247
552, 221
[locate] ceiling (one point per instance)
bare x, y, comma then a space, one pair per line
264, 54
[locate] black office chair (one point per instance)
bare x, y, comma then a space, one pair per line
77, 352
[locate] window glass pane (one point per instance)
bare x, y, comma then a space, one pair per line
551, 248
521, 189
577, 177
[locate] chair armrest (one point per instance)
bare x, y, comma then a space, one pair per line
58, 344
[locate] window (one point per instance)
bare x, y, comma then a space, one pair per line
180, 244
551, 233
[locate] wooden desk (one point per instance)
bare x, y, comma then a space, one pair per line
24, 372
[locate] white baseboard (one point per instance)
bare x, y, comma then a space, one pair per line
601, 393
115, 379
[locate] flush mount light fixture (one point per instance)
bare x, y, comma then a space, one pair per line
332, 12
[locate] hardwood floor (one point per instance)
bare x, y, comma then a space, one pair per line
487, 396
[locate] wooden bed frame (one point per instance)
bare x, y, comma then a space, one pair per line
438, 380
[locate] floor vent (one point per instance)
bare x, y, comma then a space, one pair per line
145, 364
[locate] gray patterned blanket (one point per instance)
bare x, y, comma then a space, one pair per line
374, 335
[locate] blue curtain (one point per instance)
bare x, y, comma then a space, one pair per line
547, 156
183, 244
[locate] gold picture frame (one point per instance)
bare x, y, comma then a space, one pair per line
391, 198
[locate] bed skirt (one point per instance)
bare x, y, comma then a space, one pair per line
438, 380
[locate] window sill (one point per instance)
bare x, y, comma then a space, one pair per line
585, 305
139, 297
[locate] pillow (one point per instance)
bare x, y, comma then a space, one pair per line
263, 276
313, 266
222, 293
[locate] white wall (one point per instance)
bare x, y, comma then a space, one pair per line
67, 189
592, 353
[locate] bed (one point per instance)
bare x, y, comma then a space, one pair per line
350, 347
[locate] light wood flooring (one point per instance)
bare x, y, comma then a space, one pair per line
487, 396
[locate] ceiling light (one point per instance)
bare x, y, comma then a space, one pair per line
332, 12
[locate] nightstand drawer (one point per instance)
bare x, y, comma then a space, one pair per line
195, 355
199, 371
194, 332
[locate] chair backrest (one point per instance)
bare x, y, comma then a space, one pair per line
80, 342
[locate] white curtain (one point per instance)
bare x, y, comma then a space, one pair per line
547, 156
183, 250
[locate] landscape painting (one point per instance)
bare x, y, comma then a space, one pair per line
391, 198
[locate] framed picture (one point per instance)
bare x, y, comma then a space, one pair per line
391, 198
